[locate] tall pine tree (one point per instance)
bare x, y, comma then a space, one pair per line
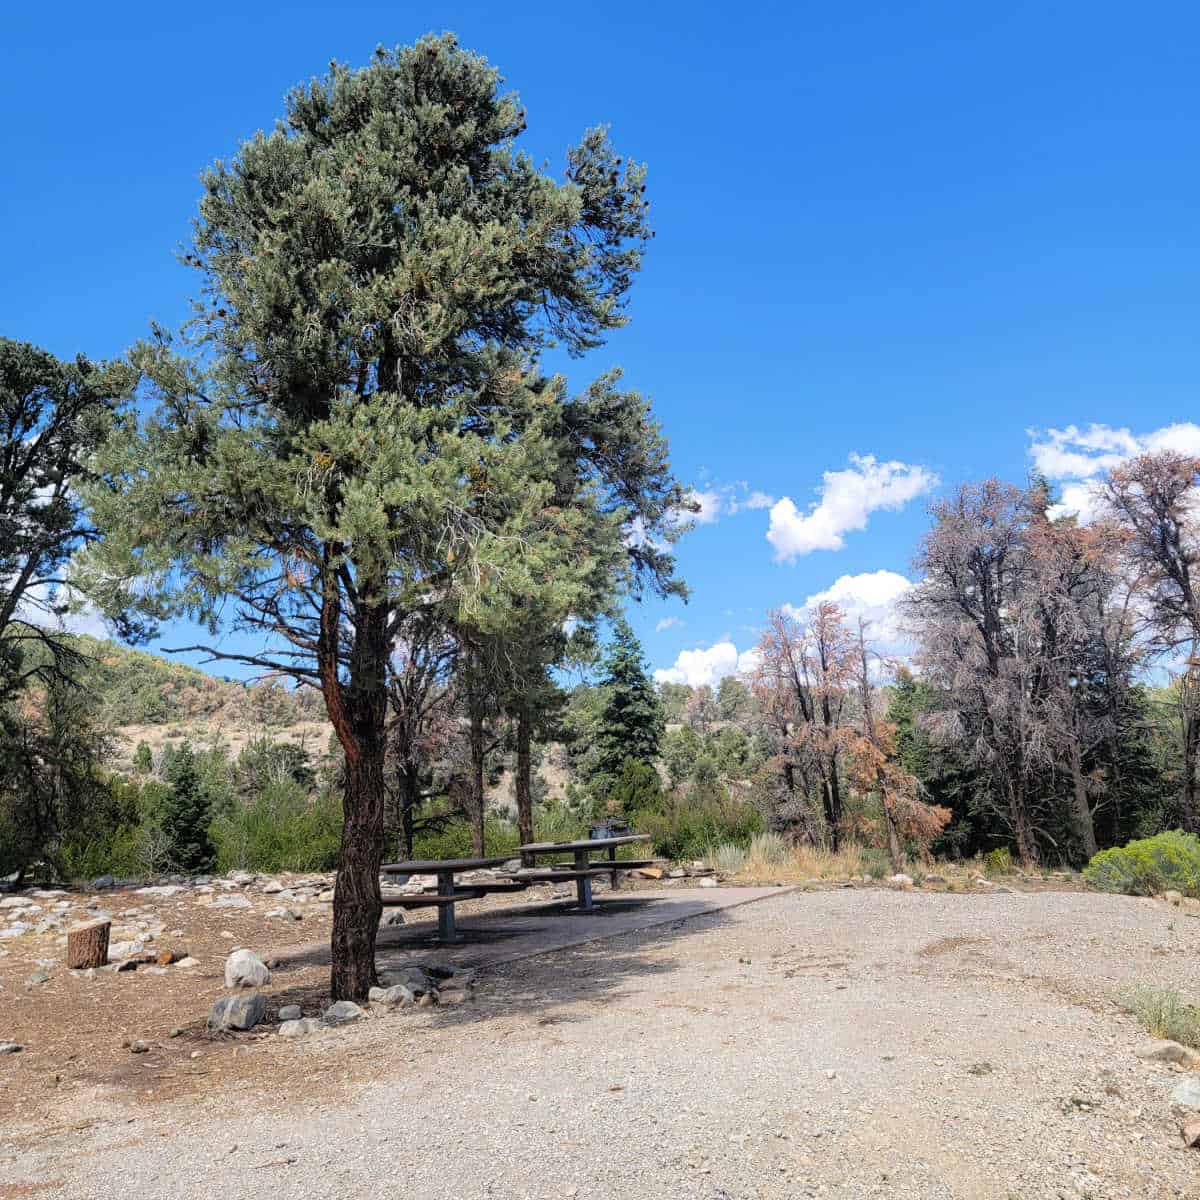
631, 720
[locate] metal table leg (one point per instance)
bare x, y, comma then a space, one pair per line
583, 885
447, 931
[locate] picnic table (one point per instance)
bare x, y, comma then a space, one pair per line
448, 893
582, 869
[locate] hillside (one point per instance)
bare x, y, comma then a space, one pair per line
145, 697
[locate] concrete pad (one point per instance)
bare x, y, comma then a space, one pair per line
509, 933
505, 935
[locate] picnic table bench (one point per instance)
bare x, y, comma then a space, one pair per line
448, 892
582, 868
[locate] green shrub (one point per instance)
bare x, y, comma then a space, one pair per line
454, 839
687, 828
1166, 862
998, 861
282, 829
1163, 1014
876, 862
770, 849
728, 859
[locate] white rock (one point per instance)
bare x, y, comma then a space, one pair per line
128, 949
342, 1012
272, 887
18, 902
235, 901
243, 968
1187, 1093
1168, 1052
188, 961
299, 1027
290, 1012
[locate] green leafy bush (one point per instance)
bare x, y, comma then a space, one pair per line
282, 829
689, 828
454, 839
1163, 1014
1166, 862
998, 861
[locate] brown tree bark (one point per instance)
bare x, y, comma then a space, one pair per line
359, 715
87, 944
524, 790
477, 796
1082, 812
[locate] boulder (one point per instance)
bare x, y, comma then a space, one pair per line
1187, 1093
102, 882
233, 901
188, 961
18, 902
290, 1012
244, 969
10, 1048
238, 1012
391, 917
343, 1012
900, 880
299, 1027
396, 996
272, 887
708, 881
416, 979
127, 949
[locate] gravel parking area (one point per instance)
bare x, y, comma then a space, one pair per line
842, 1043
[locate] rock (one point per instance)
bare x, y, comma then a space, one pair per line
1175, 898
677, 873
155, 971
17, 902
1168, 1052
1187, 1093
129, 949
935, 879
290, 1012
707, 881
243, 969
38, 977
286, 914
342, 1012
234, 901
392, 917
10, 1048
138, 1047
14, 930
326, 897
162, 889
396, 996
238, 1012
102, 882
900, 880
241, 878
1191, 1132
272, 887
416, 979
299, 1027
189, 961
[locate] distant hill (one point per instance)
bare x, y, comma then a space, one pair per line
145, 697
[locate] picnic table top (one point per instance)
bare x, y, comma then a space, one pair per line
582, 844
433, 866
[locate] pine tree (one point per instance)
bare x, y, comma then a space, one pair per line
631, 720
360, 430
143, 759
186, 814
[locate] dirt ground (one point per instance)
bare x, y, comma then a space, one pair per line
840, 1042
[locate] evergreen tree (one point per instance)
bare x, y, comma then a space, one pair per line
143, 759
187, 812
361, 431
631, 720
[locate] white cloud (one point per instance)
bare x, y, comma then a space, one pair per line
667, 623
724, 500
848, 498
1077, 457
707, 666
873, 596
710, 506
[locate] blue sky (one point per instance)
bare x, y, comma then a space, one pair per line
906, 232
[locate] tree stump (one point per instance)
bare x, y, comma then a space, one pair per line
87, 944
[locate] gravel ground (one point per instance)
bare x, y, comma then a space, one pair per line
847, 1043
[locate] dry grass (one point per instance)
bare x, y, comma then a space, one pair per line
1163, 1014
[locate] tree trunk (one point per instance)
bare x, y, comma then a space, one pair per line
1190, 719
477, 798
1018, 808
87, 944
524, 790
834, 812
360, 723
410, 799
1083, 814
